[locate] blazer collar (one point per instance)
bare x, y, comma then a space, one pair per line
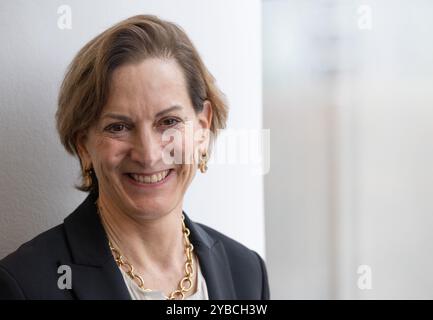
95, 274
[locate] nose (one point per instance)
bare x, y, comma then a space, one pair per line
146, 149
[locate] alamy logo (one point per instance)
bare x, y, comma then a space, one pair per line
365, 17
65, 19
364, 280
65, 280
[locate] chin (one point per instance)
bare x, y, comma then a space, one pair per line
152, 209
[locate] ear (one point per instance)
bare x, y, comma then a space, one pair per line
205, 121
83, 154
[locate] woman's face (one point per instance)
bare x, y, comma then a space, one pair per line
142, 146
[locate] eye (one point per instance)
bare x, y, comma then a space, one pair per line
169, 122
115, 127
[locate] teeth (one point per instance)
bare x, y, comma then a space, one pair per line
150, 179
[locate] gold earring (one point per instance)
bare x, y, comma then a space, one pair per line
88, 176
203, 162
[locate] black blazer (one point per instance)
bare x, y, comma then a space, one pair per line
231, 270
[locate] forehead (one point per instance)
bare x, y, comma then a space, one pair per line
150, 84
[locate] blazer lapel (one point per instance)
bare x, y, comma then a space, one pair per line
98, 283
213, 261
95, 274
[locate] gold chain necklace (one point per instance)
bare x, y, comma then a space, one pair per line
185, 284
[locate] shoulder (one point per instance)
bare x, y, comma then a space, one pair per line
247, 266
33, 263
49, 244
232, 247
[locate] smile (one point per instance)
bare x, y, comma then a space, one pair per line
149, 179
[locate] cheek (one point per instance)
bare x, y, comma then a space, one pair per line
180, 148
191, 142
185, 147
108, 153
186, 175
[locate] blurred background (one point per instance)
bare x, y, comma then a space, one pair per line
344, 87
348, 97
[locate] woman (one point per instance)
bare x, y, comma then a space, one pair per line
140, 111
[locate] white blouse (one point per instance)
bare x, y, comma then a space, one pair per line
137, 293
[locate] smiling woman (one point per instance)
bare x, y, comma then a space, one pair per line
126, 98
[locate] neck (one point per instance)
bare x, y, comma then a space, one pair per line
148, 244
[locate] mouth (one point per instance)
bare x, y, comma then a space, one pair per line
153, 179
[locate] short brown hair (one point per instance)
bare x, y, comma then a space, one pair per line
85, 88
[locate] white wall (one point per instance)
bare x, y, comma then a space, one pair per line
36, 175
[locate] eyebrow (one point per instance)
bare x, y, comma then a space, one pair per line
117, 117
128, 119
172, 108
